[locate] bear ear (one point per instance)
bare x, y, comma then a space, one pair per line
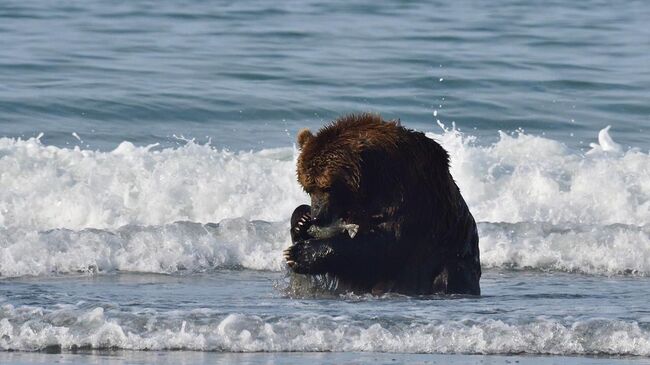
304, 136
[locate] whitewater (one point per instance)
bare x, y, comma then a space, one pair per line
194, 208
147, 176
179, 249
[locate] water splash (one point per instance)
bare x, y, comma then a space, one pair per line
605, 143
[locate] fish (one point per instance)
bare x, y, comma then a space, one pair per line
333, 229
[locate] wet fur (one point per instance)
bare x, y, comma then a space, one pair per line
416, 234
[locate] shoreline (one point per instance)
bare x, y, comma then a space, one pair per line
258, 358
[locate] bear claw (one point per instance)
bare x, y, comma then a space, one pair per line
299, 227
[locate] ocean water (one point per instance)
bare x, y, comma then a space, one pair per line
147, 175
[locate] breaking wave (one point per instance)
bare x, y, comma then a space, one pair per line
46, 187
237, 243
540, 206
67, 328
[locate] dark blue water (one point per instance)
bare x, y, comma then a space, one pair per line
250, 74
120, 233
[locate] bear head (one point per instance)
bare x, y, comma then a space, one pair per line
336, 165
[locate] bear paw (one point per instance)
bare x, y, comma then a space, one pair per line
294, 256
300, 223
307, 257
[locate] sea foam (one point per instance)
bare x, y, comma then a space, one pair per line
171, 248
525, 178
237, 243
520, 178
539, 205
67, 328
46, 187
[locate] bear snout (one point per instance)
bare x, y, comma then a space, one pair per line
321, 212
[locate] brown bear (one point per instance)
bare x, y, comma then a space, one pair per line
413, 233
